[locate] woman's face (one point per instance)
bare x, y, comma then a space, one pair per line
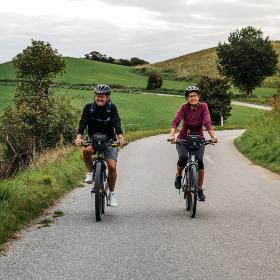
101, 99
193, 98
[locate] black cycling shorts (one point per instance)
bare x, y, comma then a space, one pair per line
183, 155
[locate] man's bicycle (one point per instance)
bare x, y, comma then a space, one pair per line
100, 188
190, 177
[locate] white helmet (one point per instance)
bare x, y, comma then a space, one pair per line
191, 89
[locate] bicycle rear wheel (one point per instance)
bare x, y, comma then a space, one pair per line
98, 187
192, 193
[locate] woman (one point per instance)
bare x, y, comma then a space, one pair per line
195, 115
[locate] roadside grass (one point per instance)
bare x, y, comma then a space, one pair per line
261, 142
58, 213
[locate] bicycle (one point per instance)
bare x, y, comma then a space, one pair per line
190, 178
100, 188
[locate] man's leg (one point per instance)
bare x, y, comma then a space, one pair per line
87, 157
112, 174
112, 178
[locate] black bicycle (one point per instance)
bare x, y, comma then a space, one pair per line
190, 178
100, 189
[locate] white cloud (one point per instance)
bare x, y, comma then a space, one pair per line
153, 30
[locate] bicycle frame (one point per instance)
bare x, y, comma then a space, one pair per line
191, 161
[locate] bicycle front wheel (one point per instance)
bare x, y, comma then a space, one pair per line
192, 193
98, 187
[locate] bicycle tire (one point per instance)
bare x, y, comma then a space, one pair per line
103, 202
192, 197
98, 187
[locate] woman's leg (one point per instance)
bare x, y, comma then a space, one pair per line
183, 158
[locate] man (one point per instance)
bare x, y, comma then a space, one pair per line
102, 116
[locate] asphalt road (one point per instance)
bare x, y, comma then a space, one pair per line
235, 235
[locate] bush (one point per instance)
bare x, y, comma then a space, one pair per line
37, 120
154, 81
215, 92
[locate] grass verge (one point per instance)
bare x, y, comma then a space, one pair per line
261, 142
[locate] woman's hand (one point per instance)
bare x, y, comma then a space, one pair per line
172, 138
214, 139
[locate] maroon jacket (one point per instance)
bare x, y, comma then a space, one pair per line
193, 120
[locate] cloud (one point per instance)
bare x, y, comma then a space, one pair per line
152, 30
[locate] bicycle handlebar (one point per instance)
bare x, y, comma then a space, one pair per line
205, 142
112, 144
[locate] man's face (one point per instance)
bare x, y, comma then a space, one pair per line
101, 99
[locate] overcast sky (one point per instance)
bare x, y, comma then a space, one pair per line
154, 30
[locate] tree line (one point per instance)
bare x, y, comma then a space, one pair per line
134, 61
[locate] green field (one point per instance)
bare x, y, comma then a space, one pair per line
141, 110
243, 116
82, 71
6, 95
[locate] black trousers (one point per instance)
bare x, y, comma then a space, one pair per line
183, 155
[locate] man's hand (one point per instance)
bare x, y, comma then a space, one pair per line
78, 142
121, 141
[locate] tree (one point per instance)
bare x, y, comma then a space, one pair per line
134, 61
38, 119
247, 59
215, 92
154, 81
37, 65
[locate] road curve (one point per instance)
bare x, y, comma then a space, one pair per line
256, 106
235, 234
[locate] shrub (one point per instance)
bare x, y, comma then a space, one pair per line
154, 81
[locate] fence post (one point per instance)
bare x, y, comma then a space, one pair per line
222, 121
125, 128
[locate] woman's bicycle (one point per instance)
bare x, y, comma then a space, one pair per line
190, 177
100, 188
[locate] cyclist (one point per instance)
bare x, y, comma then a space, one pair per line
195, 115
102, 116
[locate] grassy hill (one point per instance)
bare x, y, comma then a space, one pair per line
200, 63
82, 71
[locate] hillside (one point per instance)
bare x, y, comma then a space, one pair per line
82, 71
200, 63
